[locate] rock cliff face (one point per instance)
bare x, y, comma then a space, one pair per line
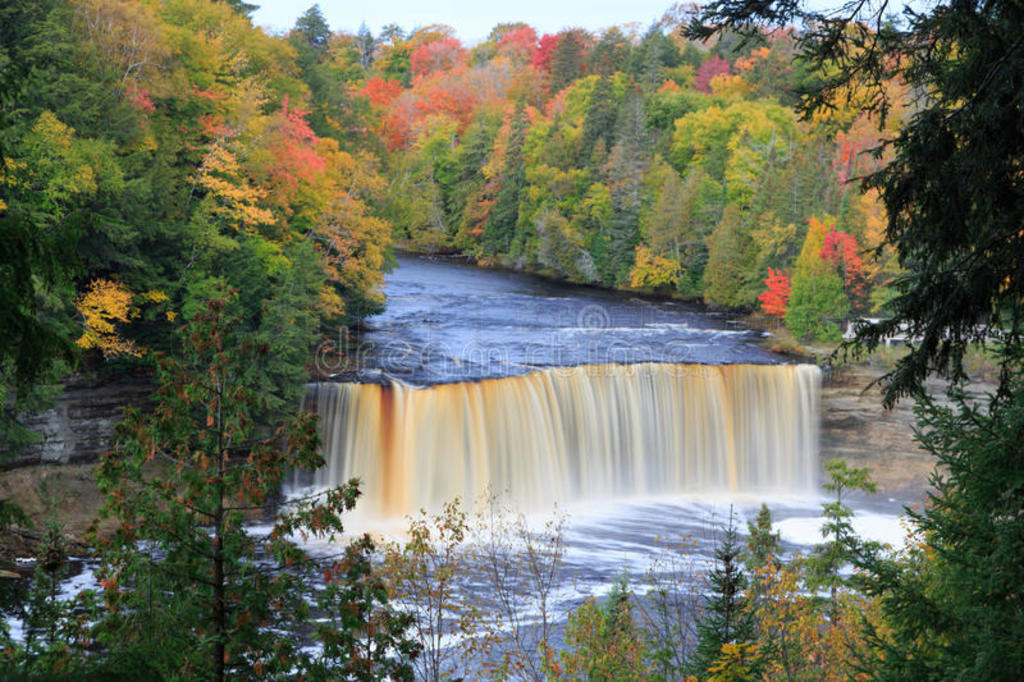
855, 427
80, 427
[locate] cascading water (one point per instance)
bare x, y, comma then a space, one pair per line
573, 433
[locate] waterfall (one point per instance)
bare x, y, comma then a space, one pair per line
573, 433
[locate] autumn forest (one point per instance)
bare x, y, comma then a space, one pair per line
175, 151
207, 210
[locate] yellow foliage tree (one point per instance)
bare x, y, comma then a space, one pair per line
237, 199
103, 306
652, 271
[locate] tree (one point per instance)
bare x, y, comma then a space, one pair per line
727, 267
50, 174
726, 618
567, 59
762, 543
842, 545
951, 191
776, 296
955, 205
599, 120
242, 7
714, 66
605, 642
427, 574
951, 600
817, 300
312, 29
609, 53
501, 225
626, 167
840, 250
180, 562
367, 46
652, 271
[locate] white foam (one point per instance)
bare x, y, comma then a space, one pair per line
806, 531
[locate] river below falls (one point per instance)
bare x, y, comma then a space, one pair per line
448, 322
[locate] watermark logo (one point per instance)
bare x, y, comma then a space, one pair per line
593, 316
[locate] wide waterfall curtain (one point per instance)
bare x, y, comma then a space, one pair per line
567, 434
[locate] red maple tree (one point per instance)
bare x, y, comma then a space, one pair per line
841, 251
715, 66
775, 298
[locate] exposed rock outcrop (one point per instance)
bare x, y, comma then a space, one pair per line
80, 427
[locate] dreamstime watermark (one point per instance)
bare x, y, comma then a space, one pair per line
589, 340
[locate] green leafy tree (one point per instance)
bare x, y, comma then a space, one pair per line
188, 587
817, 300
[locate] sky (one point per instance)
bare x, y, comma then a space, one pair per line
471, 19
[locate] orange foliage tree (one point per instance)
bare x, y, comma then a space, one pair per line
776, 296
439, 55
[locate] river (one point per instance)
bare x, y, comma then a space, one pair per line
448, 322
479, 380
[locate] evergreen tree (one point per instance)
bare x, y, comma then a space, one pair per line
952, 600
842, 545
600, 117
609, 53
626, 168
727, 269
726, 618
244, 8
187, 585
312, 29
567, 61
501, 226
649, 60
469, 158
762, 543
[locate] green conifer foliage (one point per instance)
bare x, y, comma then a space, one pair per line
188, 586
501, 227
726, 618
